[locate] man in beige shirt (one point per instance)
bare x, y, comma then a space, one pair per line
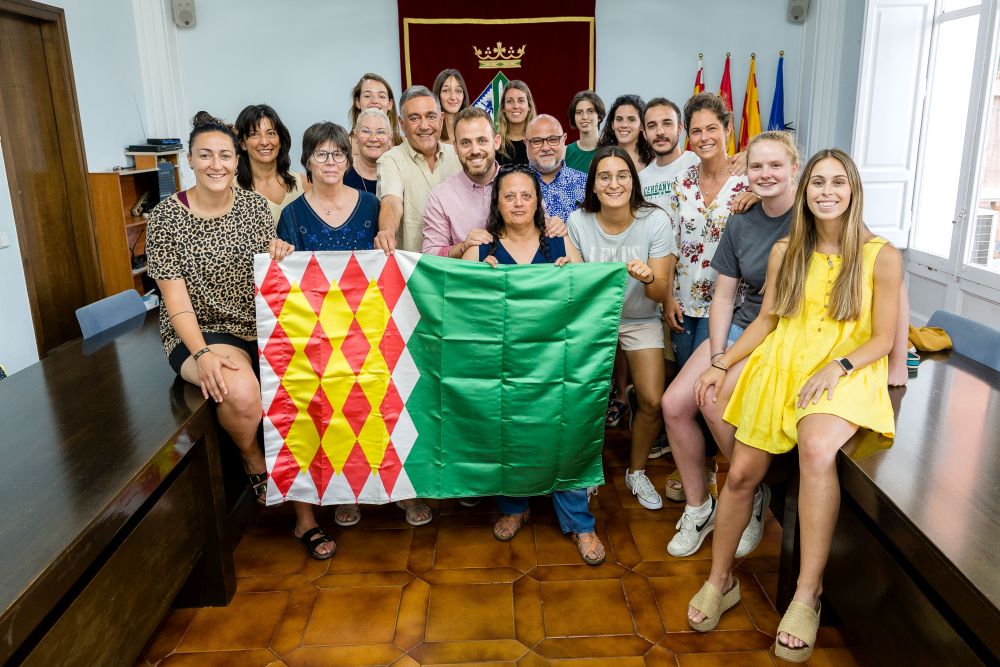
407, 173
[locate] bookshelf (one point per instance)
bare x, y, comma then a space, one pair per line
120, 234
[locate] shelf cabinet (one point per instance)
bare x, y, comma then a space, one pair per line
120, 235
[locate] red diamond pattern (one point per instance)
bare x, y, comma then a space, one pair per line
318, 350
391, 282
390, 468
355, 347
357, 469
390, 407
278, 351
320, 411
391, 344
275, 287
314, 284
353, 283
285, 470
319, 469
356, 408
282, 411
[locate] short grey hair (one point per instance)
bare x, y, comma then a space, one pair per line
418, 91
373, 112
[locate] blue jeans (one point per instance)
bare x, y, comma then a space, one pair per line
695, 333
572, 508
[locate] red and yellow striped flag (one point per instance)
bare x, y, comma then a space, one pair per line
750, 125
699, 87
726, 93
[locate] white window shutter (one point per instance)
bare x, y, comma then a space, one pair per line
891, 91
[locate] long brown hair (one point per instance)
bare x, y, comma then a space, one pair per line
393, 113
845, 297
503, 126
439, 82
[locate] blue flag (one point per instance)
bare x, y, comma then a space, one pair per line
777, 119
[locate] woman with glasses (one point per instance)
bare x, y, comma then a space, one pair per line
372, 136
586, 113
615, 224
451, 91
624, 128
264, 164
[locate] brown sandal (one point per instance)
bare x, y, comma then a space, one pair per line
590, 548
510, 525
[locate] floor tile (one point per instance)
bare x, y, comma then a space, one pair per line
612, 646
672, 596
270, 554
372, 551
828, 657
582, 608
412, 620
469, 548
252, 658
470, 612
248, 622
552, 547
743, 659
325, 656
168, 635
353, 616
450, 652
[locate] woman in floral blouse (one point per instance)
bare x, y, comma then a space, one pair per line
700, 204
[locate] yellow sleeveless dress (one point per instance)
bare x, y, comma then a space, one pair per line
763, 407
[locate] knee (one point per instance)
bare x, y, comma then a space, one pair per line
678, 404
741, 481
817, 454
648, 402
243, 400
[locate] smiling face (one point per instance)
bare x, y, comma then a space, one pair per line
770, 169
828, 190
662, 128
585, 116
263, 142
613, 183
452, 95
422, 124
545, 157
213, 161
515, 106
373, 137
626, 124
707, 134
373, 95
516, 199
476, 144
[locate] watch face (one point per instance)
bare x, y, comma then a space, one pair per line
846, 364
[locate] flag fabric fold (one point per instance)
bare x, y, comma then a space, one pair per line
726, 92
699, 87
750, 123
776, 121
385, 378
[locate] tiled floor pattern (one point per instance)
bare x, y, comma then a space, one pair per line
449, 594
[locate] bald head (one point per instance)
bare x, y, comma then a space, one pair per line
548, 122
546, 144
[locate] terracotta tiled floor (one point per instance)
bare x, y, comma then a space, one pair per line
448, 593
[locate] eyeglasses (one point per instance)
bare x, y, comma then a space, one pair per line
367, 132
338, 157
536, 142
624, 178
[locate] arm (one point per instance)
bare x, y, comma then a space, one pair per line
390, 216
888, 276
653, 276
437, 231
672, 311
720, 313
572, 256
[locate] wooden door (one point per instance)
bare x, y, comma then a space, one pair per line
46, 169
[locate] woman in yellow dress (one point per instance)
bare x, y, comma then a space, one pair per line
817, 373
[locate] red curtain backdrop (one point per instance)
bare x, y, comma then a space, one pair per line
558, 41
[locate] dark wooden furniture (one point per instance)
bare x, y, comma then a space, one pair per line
914, 571
112, 501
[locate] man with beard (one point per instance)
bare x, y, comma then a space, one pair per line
562, 187
408, 172
455, 216
663, 127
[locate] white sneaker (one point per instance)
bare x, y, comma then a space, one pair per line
643, 489
691, 532
754, 531
659, 448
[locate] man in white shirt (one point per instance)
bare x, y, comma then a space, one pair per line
663, 126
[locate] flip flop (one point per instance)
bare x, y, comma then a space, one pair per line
513, 523
713, 604
801, 621
313, 539
413, 513
587, 543
347, 515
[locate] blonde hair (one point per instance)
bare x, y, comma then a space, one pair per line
503, 125
845, 296
781, 137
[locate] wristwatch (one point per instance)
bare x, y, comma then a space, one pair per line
846, 364
197, 355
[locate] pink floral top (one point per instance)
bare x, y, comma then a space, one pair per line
698, 231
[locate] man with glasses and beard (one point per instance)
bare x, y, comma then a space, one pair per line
562, 187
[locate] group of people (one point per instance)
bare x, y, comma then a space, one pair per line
760, 313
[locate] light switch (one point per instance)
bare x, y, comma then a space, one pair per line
4, 241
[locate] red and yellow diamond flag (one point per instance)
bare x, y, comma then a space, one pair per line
386, 378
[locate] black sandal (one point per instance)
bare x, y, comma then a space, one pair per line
313, 539
258, 484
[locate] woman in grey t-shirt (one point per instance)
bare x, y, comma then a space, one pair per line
615, 224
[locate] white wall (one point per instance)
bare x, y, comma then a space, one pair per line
103, 50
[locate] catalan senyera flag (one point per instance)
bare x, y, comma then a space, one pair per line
777, 119
726, 93
385, 378
750, 124
699, 87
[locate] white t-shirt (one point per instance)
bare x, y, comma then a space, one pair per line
656, 181
648, 236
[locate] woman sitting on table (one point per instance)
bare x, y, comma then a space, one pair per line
335, 216
264, 165
451, 91
817, 373
200, 248
372, 135
517, 225
374, 92
615, 224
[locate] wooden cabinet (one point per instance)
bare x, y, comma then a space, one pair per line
120, 235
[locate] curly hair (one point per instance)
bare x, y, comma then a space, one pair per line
495, 224
608, 137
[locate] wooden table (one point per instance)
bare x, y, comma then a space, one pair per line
112, 502
914, 571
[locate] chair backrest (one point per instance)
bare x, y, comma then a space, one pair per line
970, 338
106, 313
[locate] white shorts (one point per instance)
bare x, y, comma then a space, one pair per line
640, 335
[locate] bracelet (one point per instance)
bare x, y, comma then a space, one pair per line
181, 313
650, 282
200, 353
717, 354
722, 368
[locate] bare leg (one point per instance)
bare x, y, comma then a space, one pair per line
647, 378
746, 469
723, 432
898, 374
686, 439
305, 519
820, 437
620, 376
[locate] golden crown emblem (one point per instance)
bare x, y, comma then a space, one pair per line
497, 57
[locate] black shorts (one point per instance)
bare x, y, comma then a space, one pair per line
181, 353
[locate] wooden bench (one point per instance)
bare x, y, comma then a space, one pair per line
111, 502
914, 570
